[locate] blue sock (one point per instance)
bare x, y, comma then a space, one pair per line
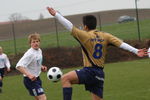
67, 93
1, 84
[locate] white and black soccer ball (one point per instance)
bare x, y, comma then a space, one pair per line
54, 74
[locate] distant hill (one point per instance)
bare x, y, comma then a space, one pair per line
48, 25
111, 16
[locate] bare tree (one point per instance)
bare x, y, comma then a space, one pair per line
17, 17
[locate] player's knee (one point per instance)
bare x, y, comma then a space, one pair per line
42, 97
0, 78
64, 78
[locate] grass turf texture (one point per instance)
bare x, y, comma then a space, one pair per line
123, 81
126, 31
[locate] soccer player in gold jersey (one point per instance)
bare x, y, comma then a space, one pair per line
94, 44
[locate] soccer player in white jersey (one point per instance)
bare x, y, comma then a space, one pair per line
4, 63
94, 46
31, 66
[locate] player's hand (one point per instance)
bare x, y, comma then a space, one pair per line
44, 68
31, 77
51, 11
142, 52
8, 69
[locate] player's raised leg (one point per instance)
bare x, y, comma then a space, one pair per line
1, 84
67, 81
95, 97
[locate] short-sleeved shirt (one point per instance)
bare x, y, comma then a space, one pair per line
32, 61
4, 61
94, 44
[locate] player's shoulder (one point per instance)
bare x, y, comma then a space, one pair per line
4, 55
77, 30
32, 51
40, 49
29, 52
103, 33
106, 34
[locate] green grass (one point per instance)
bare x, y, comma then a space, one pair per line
126, 31
128, 80
123, 81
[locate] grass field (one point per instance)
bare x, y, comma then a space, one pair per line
126, 31
123, 81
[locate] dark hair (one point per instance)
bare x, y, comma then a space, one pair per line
90, 21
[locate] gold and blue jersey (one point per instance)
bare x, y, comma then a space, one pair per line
94, 44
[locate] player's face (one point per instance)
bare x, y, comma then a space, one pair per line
35, 44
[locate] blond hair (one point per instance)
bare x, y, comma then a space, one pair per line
34, 36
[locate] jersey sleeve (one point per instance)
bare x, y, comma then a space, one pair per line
80, 35
25, 60
113, 40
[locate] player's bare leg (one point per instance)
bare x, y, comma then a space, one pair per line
40, 97
1, 84
95, 97
1, 78
67, 80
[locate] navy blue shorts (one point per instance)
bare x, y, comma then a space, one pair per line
2, 70
93, 79
34, 87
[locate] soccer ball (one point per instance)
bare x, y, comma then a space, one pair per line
54, 74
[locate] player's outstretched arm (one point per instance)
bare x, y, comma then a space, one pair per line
138, 52
66, 23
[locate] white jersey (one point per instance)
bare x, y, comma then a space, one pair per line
32, 61
149, 52
4, 61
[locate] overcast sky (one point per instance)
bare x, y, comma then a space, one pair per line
33, 8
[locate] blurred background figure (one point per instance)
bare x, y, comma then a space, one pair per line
4, 64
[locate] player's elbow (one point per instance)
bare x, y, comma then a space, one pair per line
18, 67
